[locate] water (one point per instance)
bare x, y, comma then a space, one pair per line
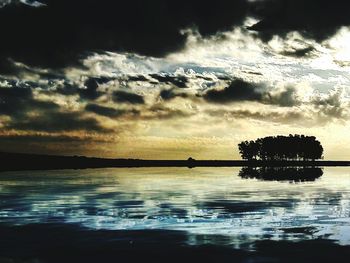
208, 206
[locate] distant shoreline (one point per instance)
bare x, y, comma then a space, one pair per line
20, 162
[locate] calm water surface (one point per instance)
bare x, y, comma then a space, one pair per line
210, 202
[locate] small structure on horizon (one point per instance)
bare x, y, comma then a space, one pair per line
191, 162
282, 148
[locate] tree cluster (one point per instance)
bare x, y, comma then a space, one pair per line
292, 147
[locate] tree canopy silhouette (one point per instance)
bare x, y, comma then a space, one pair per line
292, 147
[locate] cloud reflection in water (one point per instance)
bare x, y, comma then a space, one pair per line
205, 201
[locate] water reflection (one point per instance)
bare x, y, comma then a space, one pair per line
291, 174
71, 243
209, 202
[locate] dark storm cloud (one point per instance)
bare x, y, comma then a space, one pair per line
224, 77
90, 92
66, 89
127, 97
159, 78
238, 90
7, 66
316, 19
179, 81
19, 103
169, 94
109, 112
138, 78
16, 102
103, 111
57, 122
63, 31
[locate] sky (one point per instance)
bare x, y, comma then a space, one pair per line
163, 79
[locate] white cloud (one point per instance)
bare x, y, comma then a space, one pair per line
32, 3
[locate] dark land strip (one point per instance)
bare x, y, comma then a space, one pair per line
21, 161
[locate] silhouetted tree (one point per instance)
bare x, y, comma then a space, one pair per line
249, 150
292, 147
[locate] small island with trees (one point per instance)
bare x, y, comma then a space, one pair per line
295, 156
282, 148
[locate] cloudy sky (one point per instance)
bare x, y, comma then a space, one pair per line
172, 79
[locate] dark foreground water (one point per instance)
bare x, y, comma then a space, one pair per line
175, 215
